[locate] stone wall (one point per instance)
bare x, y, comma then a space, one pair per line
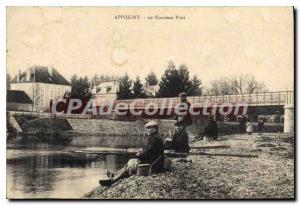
80, 139
19, 106
110, 133
113, 127
113, 133
34, 125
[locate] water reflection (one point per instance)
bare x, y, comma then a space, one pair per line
55, 174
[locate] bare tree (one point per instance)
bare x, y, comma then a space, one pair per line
253, 86
240, 84
220, 87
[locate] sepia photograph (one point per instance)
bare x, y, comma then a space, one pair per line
150, 103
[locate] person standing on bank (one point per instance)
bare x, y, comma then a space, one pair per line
242, 125
249, 128
154, 150
260, 126
184, 115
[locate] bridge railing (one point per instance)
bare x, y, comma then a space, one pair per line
257, 99
266, 98
49, 115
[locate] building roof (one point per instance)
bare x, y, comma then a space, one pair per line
151, 90
42, 74
17, 96
110, 87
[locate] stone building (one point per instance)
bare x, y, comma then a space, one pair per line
17, 100
151, 90
105, 92
42, 84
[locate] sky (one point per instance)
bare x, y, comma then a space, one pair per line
214, 42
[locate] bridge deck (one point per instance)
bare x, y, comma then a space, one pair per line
259, 99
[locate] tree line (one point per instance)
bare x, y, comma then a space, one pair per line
174, 80
177, 79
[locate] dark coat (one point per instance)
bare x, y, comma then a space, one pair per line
211, 130
187, 118
260, 126
180, 141
242, 125
153, 150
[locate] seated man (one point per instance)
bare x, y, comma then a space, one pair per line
211, 130
180, 140
152, 151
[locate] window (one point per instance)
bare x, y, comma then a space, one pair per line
51, 93
40, 97
108, 89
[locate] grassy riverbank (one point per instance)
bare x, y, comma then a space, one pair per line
271, 175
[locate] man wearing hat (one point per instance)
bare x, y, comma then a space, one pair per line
154, 147
180, 140
211, 130
184, 114
153, 150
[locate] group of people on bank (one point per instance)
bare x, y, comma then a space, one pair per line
153, 152
154, 149
247, 127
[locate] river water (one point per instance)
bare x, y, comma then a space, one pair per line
55, 173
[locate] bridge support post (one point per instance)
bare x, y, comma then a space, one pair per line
288, 119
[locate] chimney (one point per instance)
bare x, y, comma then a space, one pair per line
33, 72
50, 71
28, 74
18, 76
